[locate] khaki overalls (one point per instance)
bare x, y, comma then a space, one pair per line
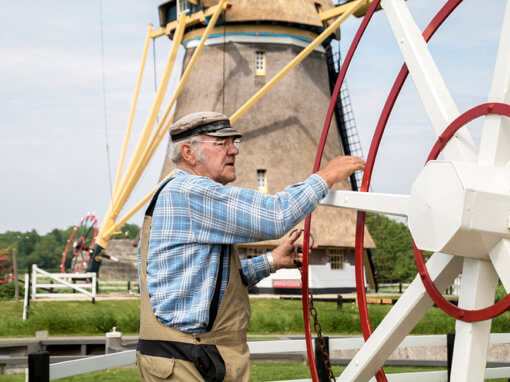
167, 354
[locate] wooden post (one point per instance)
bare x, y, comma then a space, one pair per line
27, 296
322, 370
339, 301
450, 341
15, 267
39, 367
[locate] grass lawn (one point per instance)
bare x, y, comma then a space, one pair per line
259, 372
269, 316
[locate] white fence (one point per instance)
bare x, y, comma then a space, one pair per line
118, 285
86, 286
109, 361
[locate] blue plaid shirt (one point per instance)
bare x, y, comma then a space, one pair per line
193, 219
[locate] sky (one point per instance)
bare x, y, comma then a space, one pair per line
68, 72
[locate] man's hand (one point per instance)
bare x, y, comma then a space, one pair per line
285, 254
340, 168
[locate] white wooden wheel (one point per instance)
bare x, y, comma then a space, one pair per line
458, 207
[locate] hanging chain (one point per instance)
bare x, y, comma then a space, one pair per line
318, 329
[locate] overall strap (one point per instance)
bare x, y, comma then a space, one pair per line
152, 205
213, 309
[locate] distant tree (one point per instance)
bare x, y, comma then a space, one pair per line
47, 253
10, 239
393, 258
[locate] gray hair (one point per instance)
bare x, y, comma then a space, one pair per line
175, 150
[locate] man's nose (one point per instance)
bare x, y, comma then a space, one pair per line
232, 149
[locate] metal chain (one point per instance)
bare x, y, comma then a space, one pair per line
318, 330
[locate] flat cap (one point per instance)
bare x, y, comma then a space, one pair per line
202, 122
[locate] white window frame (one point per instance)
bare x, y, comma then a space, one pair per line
260, 63
262, 180
336, 259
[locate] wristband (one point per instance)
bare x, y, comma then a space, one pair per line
270, 261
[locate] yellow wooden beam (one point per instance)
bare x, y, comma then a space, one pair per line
353, 7
135, 209
196, 18
210, 26
148, 146
133, 108
163, 125
132, 176
134, 170
337, 11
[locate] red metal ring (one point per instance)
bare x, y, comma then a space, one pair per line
460, 314
70, 240
316, 166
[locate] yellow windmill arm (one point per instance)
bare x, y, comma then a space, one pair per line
147, 147
163, 125
135, 209
196, 18
124, 190
133, 107
341, 9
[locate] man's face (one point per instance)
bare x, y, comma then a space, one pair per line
217, 161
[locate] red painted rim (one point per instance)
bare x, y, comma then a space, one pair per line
460, 314
316, 166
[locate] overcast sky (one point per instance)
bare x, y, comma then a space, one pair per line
58, 116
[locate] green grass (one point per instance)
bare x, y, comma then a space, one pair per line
259, 372
269, 317
69, 318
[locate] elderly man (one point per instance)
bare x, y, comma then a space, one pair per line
195, 309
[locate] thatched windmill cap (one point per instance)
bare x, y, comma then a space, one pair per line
202, 122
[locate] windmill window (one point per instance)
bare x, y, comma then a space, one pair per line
262, 180
260, 63
183, 7
336, 258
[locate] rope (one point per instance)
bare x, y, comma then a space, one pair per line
104, 99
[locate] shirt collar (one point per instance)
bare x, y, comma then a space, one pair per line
180, 172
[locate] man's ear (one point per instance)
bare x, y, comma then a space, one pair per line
187, 154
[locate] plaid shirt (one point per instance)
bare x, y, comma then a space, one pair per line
193, 219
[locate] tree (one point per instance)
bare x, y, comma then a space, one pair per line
393, 258
47, 253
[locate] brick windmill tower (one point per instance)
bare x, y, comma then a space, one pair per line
251, 43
